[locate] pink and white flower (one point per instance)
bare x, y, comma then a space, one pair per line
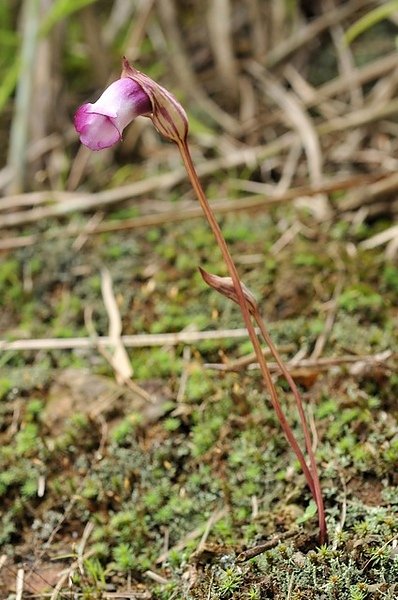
101, 124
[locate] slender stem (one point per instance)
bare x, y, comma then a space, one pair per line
304, 425
186, 156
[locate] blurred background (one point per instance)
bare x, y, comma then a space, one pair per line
293, 114
250, 73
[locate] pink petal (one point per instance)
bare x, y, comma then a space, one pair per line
96, 131
101, 124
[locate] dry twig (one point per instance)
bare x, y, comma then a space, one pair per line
130, 341
219, 207
318, 364
120, 360
261, 548
183, 70
305, 34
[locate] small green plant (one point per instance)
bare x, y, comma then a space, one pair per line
122, 432
123, 555
26, 439
358, 592
29, 488
253, 593
229, 581
95, 572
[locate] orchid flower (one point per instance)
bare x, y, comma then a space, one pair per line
101, 124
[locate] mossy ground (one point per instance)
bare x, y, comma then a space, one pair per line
145, 490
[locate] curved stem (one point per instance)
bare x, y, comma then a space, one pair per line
304, 425
186, 156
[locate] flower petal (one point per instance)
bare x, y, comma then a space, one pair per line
124, 98
96, 131
101, 124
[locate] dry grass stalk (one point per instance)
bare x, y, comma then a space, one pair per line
345, 58
120, 359
249, 203
122, 368
23, 102
371, 193
388, 235
219, 19
314, 364
305, 34
129, 341
329, 321
296, 114
19, 585
69, 202
182, 68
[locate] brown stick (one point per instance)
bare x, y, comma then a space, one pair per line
318, 364
260, 548
143, 340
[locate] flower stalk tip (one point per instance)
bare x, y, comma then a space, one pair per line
168, 116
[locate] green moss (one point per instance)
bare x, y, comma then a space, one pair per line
390, 278
121, 433
26, 439
361, 298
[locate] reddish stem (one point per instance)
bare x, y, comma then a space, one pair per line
186, 156
304, 425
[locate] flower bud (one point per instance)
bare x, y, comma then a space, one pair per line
225, 286
168, 115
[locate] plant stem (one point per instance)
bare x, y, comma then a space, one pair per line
187, 159
304, 425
